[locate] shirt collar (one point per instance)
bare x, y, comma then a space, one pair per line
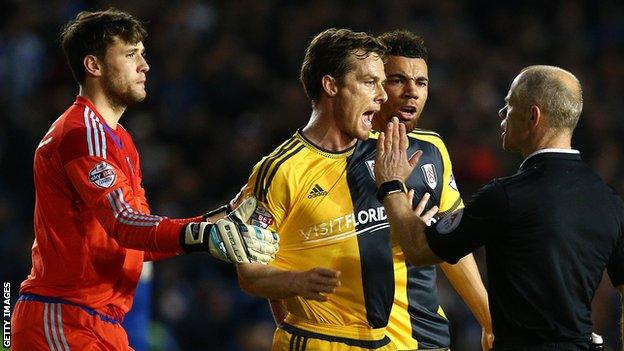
555, 150
82, 100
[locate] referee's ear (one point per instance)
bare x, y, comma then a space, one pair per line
536, 117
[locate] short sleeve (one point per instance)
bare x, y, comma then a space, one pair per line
450, 199
464, 230
270, 190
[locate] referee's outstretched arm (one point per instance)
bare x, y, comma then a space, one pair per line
407, 226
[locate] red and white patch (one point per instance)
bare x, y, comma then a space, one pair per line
262, 218
103, 175
449, 222
431, 177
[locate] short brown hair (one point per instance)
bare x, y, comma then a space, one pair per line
329, 54
404, 43
90, 33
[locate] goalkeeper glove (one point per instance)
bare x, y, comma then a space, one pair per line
230, 239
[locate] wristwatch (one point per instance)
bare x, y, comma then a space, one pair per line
391, 187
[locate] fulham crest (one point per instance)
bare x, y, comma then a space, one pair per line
431, 177
103, 175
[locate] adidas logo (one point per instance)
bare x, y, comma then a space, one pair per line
316, 192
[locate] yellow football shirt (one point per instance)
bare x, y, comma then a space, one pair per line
324, 206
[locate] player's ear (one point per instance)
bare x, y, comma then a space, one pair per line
330, 86
92, 65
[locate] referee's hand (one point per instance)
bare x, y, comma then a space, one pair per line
427, 217
391, 161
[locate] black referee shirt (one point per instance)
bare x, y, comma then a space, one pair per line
549, 232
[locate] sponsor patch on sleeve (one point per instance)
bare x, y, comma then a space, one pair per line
103, 175
452, 183
450, 222
262, 217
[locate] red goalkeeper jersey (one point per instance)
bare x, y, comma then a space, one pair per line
93, 227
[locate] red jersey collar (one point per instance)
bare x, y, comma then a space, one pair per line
81, 100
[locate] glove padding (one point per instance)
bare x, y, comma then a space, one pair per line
231, 240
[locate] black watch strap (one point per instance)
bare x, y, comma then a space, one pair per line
391, 187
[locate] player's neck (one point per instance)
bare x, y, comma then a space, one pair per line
107, 108
323, 132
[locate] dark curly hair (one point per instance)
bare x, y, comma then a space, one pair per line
329, 54
404, 43
90, 33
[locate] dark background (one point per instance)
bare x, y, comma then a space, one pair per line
223, 91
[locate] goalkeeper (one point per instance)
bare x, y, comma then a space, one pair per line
93, 226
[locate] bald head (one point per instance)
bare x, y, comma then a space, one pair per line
555, 91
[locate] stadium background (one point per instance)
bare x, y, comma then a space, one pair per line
223, 91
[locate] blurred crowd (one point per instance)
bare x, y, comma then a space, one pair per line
223, 91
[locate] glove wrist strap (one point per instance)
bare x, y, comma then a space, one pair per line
194, 237
221, 211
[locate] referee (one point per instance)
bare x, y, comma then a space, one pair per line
549, 230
